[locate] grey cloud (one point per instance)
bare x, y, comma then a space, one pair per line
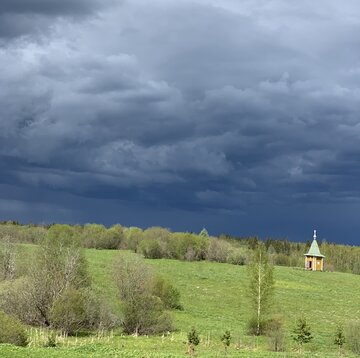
49, 7
36, 18
202, 106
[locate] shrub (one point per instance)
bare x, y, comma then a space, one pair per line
193, 340
226, 339
51, 341
143, 312
12, 330
15, 300
68, 312
150, 248
133, 236
275, 331
254, 327
352, 334
218, 250
237, 257
339, 338
168, 294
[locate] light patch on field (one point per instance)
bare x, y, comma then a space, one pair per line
294, 285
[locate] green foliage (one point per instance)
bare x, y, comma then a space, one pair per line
169, 295
12, 330
58, 265
226, 339
150, 248
261, 287
275, 332
352, 334
302, 332
238, 256
98, 237
214, 299
68, 312
193, 340
256, 327
193, 337
143, 312
51, 341
204, 233
339, 338
133, 236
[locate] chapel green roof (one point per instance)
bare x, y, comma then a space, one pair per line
314, 248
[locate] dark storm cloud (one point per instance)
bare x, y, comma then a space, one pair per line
223, 108
48, 7
36, 17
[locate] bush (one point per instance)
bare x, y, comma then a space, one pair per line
275, 331
150, 248
12, 330
143, 312
252, 326
68, 312
168, 294
237, 257
193, 340
218, 250
226, 340
146, 316
352, 335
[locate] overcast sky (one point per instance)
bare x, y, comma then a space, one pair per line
241, 116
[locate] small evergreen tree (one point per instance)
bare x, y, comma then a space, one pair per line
302, 332
339, 338
193, 340
204, 233
226, 339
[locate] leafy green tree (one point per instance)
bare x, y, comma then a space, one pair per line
302, 332
261, 288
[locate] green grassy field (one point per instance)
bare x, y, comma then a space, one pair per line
215, 299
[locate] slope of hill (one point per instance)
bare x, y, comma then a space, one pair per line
215, 299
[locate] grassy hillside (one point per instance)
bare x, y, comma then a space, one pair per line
215, 299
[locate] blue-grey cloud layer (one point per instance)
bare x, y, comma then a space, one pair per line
242, 116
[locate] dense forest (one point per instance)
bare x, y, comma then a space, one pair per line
158, 242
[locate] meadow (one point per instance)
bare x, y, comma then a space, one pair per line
214, 296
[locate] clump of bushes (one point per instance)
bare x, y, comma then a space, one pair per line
143, 310
12, 330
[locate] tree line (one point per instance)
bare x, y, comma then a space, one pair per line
158, 242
